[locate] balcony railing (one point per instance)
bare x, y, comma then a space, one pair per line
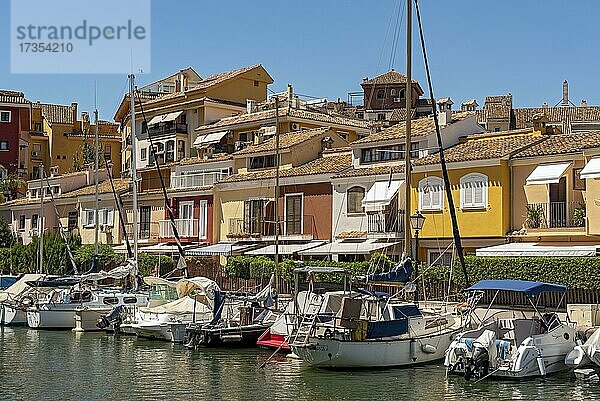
302, 226
555, 215
384, 223
168, 129
185, 228
146, 230
196, 179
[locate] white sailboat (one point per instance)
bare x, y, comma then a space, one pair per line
15, 299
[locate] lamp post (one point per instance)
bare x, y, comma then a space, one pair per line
416, 222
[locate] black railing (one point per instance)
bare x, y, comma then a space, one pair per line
168, 129
555, 215
265, 226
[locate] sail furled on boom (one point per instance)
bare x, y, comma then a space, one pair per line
447, 187
181, 264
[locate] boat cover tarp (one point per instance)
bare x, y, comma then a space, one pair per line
180, 306
152, 280
19, 287
117, 273
408, 310
400, 273
201, 285
348, 247
387, 328
529, 288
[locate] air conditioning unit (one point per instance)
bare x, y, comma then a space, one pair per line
295, 126
34, 153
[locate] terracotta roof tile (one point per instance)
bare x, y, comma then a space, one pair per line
367, 171
286, 141
351, 235
323, 165
419, 127
57, 113
9, 96
565, 116
390, 77
562, 144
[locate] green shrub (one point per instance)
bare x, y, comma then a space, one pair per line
147, 262
107, 257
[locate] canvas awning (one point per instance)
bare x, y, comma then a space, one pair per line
163, 118
591, 169
349, 247
529, 288
547, 173
209, 139
380, 195
285, 249
220, 249
535, 249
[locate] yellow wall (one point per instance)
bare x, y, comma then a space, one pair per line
593, 205
491, 222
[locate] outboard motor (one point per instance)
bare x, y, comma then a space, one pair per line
114, 317
478, 365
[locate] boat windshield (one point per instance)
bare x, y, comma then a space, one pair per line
163, 292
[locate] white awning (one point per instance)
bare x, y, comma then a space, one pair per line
380, 195
349, 247
209, 139
547, 173
222, 248
591, 169
535, 249
163, 118
285, 249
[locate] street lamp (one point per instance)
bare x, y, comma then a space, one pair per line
416, 222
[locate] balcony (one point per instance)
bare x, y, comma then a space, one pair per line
166, 129
186, 228
196, 180
301, 228
555, 215
385, 223
147, 231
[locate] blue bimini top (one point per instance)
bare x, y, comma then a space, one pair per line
529, 288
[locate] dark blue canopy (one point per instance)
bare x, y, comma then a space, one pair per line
400, 273
529, 288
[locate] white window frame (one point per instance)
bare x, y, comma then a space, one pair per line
203, 219
469, 182
9, 116
183, 204
431, 258
431, 182
301, 194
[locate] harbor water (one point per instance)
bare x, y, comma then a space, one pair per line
52, 365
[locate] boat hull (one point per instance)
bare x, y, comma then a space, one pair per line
333, 353
12, 316
86, 319
51, 319
274, 341
236, 336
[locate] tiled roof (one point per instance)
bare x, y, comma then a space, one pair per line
419, 128
269, 115
562, 144
195, 160
367, 171
351, 235
57, 113
8, 96
485, 146
493, 111
390, 77
322, 165
286, 141
506, 100
400, 114
562, 115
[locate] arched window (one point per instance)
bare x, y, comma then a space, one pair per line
431, 194
474, 191
403, 94
381, 94
394, 92
354, 199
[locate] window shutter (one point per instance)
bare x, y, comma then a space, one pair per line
468, 189
202, 223
110, 217
478, 193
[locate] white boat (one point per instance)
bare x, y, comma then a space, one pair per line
509, 344
16, 298
586, 353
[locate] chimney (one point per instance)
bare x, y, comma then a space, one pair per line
74, 111
54, 171
289, 92
445, 111
182, 81
250, 106
584, 103
565, 97
545, 106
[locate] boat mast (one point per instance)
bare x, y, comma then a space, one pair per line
96, 220
277, 162
41, 221
134, 178
407, 247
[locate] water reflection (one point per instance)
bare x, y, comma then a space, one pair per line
64, 365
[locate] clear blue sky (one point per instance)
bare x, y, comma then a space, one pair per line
325, 48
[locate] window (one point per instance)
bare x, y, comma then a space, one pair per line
143, 153
22, 222
145, 213
360, 114
170, 153
381, 94
255, 83
439, 258
262, 162
431, 194
403, 94
37, 127
497, 129
72, 220
180, 149
293, 214
4, 116
394, 93
380, 116
106, 217
186, 210
58, 157
88, 218
36, 147
56, 190
343, 134
254, 216
385, 153
34, 193
3, 145
354, 199
414, 150
473, 191
107, 152
34, 221
64, 157
203, 216
35, 173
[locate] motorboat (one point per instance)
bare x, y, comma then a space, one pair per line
168, 321
512, 344
586, 353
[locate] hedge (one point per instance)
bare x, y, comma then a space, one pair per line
581, 273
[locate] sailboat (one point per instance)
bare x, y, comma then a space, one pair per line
375, 330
